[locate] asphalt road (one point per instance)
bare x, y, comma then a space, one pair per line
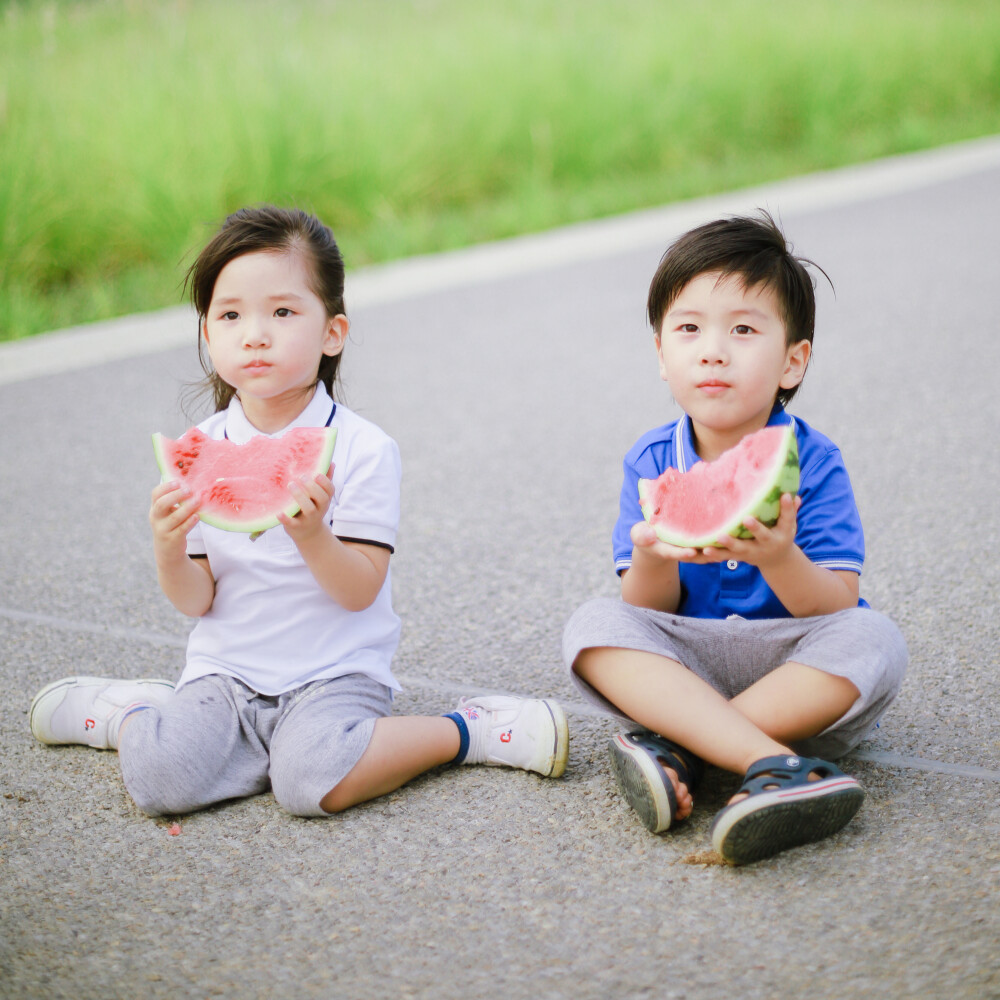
514, 378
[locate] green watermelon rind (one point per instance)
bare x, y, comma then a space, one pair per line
765, 506
260, 524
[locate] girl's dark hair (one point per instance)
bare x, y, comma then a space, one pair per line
755, 251
267, 228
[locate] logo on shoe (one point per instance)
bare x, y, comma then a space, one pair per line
89, 723
792, 761
470, 713
505, 737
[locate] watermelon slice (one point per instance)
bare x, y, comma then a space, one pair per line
694, 509
244, 487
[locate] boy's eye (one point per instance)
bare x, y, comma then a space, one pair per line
743, 328
688, 328
282, 312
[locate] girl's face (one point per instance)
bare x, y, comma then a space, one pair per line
266, 331
724, 353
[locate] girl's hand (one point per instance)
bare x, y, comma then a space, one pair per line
173, 513
768, 547
314, 498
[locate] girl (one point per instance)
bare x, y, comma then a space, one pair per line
287, 683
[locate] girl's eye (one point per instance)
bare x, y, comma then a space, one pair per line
230, 315
282, 312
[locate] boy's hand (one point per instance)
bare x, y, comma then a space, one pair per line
313, 497
768, 546
173, 513
645, 540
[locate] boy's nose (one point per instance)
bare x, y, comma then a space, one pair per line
712, 352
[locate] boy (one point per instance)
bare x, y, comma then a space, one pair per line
753, 652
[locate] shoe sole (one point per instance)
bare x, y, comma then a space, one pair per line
641, 779
68, 682
560, 749
767, 823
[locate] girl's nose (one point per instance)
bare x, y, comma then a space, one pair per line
255, 334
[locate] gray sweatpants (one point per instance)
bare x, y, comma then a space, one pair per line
733, 653
218, 739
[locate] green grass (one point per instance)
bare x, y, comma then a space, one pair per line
128, 129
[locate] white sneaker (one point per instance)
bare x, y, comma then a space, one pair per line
530, 733
89, 710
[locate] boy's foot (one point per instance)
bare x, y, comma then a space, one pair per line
783, 806
530, 733
90, 710
638, 761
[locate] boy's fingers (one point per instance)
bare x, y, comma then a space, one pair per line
643, 533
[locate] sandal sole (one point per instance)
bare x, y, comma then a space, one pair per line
768, 823
641, 781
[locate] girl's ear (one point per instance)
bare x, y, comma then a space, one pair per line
337, 328
204, 328
796, 363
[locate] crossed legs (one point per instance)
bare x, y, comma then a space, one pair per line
789, 704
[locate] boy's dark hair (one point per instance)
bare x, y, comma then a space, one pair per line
751, 249
268, 228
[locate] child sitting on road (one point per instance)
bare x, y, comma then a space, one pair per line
287, 683
755, 651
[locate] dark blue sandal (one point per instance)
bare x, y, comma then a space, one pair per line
637, 760
783, 808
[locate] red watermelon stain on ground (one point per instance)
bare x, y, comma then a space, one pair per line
174, 830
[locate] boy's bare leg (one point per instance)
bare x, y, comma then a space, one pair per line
795, 702
665, 697
789, 704
401, 747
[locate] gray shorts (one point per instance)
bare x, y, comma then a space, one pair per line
217, 739
733, 653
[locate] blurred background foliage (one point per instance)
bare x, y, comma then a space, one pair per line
130, 128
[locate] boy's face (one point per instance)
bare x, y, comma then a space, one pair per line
723, 352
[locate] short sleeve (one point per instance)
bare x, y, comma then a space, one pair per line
366, 485
829, 528
646, 459
629, 513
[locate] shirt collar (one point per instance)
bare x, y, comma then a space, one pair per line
684, 454
239, 430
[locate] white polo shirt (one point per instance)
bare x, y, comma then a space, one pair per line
270, 624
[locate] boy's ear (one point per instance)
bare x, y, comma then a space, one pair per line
658, 342
337, 329
796, 363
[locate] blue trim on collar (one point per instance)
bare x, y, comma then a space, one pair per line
685, 456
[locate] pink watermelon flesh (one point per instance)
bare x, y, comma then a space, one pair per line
694, 509
244, 487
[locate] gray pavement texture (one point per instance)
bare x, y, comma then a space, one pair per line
513, 401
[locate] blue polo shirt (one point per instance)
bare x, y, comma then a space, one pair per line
828, 530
